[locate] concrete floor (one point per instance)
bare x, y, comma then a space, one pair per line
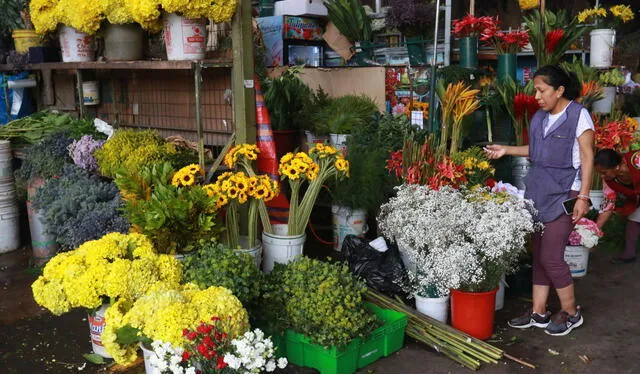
34, 341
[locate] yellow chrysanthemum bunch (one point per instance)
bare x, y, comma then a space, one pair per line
117, 12
321, 163
187, 176
528, 4
239, 153
162, 314
116, 266
615, 15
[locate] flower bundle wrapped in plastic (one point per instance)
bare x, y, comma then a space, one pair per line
114, 267
586, 233
321, 163
164, 313
459, 239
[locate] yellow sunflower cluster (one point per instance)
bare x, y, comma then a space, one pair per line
623, 12
248, 151
297, 166
587, 14
187, 176
117, 266
241, 187
163, 313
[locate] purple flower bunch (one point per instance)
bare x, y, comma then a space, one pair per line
81, 151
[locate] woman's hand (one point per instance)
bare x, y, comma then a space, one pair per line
495, 151
579, 210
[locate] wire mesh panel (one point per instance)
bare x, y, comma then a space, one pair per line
165, 100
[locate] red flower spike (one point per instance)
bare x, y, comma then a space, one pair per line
552, 39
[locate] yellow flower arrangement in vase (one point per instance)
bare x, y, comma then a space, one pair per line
163, 314
114, 267
321, 163
611, 19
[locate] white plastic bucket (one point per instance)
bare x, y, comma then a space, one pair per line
185, 38
97, 323
339, 141
434, 307
6, 170
604, 105
577, 257
43, 244
146, 355
280, 249
76, 46
500, 293
9, 225
602, 43
347, 222
91, 92
596, 197
255, 251
312, 139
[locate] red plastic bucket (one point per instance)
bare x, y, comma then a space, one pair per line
473, 312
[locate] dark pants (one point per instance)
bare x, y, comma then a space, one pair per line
549, 267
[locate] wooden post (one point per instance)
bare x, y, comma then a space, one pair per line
472, 7
543, 6
244, 101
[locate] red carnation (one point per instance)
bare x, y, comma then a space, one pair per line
220, 364
186, 356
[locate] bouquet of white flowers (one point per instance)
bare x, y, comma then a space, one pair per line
458, 239
585, 233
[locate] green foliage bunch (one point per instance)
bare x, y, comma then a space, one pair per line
321, 300
79, 207
37, 127
612, 78
214, 264
174, 218
132, 150
583, 72
45, 159
350, 18
369, 146
287, 98
346, 112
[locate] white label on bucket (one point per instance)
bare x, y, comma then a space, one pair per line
248, 83
193, 36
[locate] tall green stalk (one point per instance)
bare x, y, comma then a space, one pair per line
233, 227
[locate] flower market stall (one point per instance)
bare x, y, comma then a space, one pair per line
202, 226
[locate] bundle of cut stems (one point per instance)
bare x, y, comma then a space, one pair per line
458, 346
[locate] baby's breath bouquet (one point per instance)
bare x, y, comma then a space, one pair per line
164, 313
459, 239
114, 267
321, 163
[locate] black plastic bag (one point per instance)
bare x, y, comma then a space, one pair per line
382, 271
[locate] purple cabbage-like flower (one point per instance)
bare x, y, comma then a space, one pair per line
81, 151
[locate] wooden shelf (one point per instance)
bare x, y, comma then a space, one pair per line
123, 65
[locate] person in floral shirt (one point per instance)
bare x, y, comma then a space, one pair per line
621, 176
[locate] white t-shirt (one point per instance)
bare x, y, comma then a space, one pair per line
584, 123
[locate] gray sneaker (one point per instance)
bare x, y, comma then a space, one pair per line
562, 323
530, 319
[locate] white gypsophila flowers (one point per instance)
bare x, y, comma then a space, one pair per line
588, 238
454, 236
166, 358
253, 353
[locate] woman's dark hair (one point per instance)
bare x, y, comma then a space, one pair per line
607, 158
556, 76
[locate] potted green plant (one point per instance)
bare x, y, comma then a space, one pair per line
287, 99
344, 113
317, 130
415, 20
369, 184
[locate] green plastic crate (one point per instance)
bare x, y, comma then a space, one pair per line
301, 352
384, 340
280, 343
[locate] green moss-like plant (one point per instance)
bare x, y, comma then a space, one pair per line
346, 112
323, 301
131, 150
213, 264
